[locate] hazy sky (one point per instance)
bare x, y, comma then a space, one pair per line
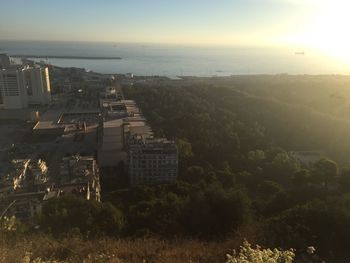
251, 22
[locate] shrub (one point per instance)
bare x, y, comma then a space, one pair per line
248, 254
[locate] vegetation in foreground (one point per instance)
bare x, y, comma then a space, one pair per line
44, 249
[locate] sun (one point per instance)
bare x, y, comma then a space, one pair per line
328, 30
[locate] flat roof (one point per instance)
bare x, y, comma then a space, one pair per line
111, 158
44, 125
135, 118
112, 137
112, 131
113, 123
49, 120
138, 124
140, 130
118, 146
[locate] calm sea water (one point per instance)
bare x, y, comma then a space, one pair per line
177, 60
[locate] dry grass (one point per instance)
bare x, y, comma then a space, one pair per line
27, 249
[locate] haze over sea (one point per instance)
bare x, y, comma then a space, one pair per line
180, 60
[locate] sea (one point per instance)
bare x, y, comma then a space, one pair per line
180, 60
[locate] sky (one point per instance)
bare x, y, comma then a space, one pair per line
320, 23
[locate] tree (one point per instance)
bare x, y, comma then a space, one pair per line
194, 174
184, 148
256, 156
283, 167
215, 212
301, 178
344, 180
269, 188
60, 215
326, 171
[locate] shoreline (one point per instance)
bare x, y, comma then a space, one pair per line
65, 57
194, 77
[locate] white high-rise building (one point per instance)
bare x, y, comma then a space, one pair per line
13, 89
38, 86
20, 87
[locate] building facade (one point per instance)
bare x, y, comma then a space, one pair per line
20, 87
80, 176
151, 160
4, 61
37, 83
13, 89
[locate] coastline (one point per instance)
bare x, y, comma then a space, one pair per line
65, 57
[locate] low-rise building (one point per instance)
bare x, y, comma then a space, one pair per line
111, 94
17, 176
23, 191
27, 175
80, 176
37, 172
25, 205
114, 109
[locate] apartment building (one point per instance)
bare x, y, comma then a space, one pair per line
4, 61
23, 86
151, 160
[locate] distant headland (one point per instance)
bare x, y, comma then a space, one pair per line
65, 57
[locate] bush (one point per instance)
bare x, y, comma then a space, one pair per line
247, 254
90, 217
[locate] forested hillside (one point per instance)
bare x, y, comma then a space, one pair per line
258, 121
237, 168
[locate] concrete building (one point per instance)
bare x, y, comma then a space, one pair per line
109, 95
38, 86
23, 191
114, 110
151, 160
37, 173
80, 176
121, 120
22, 86
25, 206
15, 178
4, 61
111, 144
27, 175
13, 89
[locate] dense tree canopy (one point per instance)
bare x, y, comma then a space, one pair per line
237, 159
59, 216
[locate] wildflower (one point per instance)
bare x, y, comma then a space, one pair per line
310, 250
